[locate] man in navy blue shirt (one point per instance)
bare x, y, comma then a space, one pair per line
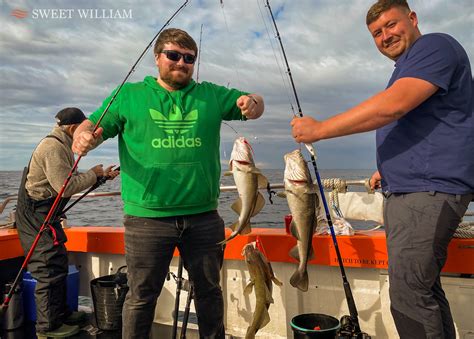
425, 159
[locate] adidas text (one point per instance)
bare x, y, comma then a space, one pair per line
172, 142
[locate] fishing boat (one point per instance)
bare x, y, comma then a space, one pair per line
98, 250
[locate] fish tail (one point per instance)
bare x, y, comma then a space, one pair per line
225, 241
300, 280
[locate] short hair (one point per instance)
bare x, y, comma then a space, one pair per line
176, 36
382, 6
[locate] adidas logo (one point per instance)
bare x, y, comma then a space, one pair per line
175, 124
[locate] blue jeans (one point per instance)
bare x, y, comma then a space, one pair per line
149, 247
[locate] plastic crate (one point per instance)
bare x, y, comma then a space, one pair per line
29, 285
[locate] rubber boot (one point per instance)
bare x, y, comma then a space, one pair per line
76, 318
63, 331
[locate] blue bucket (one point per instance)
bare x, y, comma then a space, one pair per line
303, 326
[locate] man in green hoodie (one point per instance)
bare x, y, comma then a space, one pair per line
169, 136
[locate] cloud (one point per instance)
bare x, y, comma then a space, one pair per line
48, 64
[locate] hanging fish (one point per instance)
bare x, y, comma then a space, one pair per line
248, 180
261, 277
302, 197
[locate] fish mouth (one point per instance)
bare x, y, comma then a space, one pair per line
298, 182
242, 152
248, 249
296, 169
243, 162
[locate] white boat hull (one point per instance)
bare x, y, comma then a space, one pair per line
325, 295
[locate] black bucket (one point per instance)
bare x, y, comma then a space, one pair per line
303, 326
108, 295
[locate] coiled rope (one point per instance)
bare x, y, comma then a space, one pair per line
336, 185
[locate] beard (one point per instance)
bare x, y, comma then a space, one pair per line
176, 77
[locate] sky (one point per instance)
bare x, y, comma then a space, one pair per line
56, 54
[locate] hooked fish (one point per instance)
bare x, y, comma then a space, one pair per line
261, 277
248, 180
303, 200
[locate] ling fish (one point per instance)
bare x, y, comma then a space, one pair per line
303, 200
261, 277
248, 180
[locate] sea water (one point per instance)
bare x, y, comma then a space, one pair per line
107, 211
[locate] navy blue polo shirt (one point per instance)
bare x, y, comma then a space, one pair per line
431, 148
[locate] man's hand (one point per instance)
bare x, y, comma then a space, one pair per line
110, 174
305, 129
251, 105
98, 170
375, 180
85, 140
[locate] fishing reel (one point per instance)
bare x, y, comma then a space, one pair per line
350, 330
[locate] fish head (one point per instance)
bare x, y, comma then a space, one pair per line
296, 169
250, 252
242, 153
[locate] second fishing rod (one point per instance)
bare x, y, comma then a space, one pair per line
351, 323
54, 208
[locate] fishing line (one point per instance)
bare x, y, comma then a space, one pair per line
228, 33
232, 128
53, 210
347, 289
278, 61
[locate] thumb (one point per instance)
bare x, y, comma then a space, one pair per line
98, 132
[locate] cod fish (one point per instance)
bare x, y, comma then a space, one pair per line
248, 180
261, 277
303, 200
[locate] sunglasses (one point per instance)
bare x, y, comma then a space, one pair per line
176, 56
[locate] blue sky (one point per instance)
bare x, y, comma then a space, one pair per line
49, 63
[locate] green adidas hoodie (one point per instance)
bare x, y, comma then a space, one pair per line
169, 145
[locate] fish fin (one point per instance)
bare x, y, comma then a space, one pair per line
300, 280
294, 253
248, 288
227, 173
259, 204
246, 229
281, 194
272, 275
266, 318
231, 236
294, 230
262, 181
276, 281
268, 296
237, 205
233, 227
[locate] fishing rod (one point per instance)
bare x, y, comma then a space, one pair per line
199, 56
352, 327
56, 202
100, 181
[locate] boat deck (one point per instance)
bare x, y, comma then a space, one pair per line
158, 331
